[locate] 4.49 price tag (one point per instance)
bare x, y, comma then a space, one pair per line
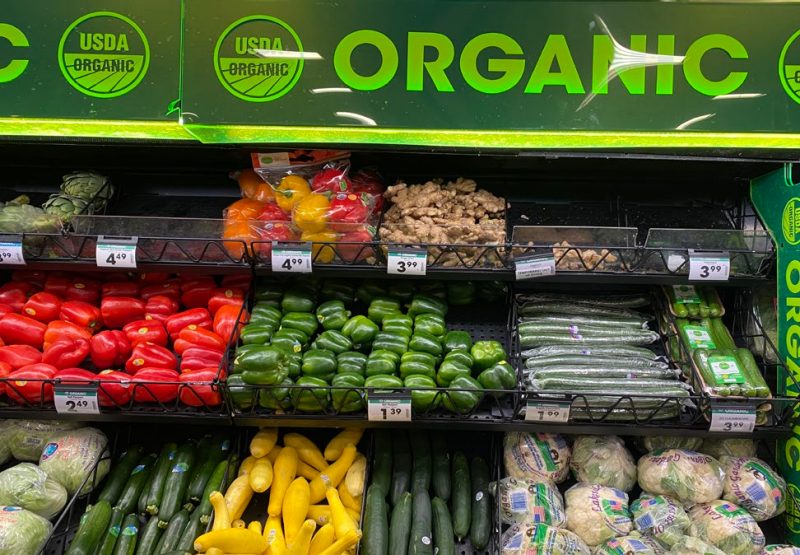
116, 253
709, 266
732, 419
75, 399
537, 410
389, 407
291, 257
407, 262
11, 251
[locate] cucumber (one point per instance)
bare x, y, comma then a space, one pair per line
722, 337
701, 357
421, 452
137, 480
583, 360
575, 308
155, 489
193, 529
401, 467
400, 525
420, 541
752, 372
90, 532
586, 372
581, 383
119, 475
442, 528
480, 528
148, 538
214, 484
460, 501
169, 539
578, 350
606, 338
177, 481
440, 456
112, 533
678, 309
561, 320
713, 301
126, 544
382, 467
208, 454
375, 540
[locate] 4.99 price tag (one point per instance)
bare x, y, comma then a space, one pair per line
75, 399
389, 408
407, 262
291, 257
537, 410
116, 253
709, 266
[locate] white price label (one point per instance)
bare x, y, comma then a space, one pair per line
11, 253
537, 410
115, 255
291, 258
535, 266
709, 266
407, 262
389, 409
732, 419
76, 400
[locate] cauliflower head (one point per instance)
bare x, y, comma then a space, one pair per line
734, 447
727, 527
688, 476
603, 460
629, 545
522, 539
597, 513
754, 486
660, 517
530, 455
687, 545
529, 502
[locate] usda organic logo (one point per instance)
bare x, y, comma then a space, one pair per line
790, 222
789, 67
103, 54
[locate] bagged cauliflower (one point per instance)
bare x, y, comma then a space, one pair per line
529, 502
754, 486
654, 443
22, 532
597, 513
541, 539
528, 455
736, 447
28, 437
726, 526
629, 545
70, 457
660, 517
603, 460
688, 545
688, 476
780, 550
28, 486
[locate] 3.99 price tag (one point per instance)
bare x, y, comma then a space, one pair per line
537, 410
116, 253
11, 251
389, 408
75, 399
291, 257
407, 262
709, 266
732, 419
535, 266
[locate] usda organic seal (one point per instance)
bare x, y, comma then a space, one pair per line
790, 221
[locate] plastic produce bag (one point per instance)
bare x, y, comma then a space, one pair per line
28, 486
655, 443
726, 526
28, 437
541, 539
735, 447
597, 513
688, 476
754, 486
7, 431
629, 545
780, 550
688, 545
530, 455
22, 532
529, 502
603, 460
660, 517
70, 457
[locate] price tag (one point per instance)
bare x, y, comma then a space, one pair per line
11, 250
291, 257
535, 266
537, 410
732, 418
389, 407
407, 262
116, 253
709, 266
76, 399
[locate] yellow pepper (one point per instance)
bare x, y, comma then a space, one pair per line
311, 213
290, 191
321, 245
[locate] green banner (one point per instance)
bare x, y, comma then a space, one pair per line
108, 68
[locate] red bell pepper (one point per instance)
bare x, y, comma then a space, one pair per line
146, 331
18, 356
195, 293
242, 281
109, 349
197, 358
197, 317
348, 210
271, 212
155, 385
153, 277
169, 288
82, 314
120, 289
18, 329
160, 307
198, 337
118, 311
30, 385
58, 330
57, 285
43, 306
332, 180
75, 376
5, 370
149, 355
351, 245
199, 388
223, 297
34, 277
6, 309
14, 294
226, 320
84, 290
66, 354
115, 389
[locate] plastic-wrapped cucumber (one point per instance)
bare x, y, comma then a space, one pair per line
580, 336
632, 322
595, 361
632, 300
730, 373
575, 308
626, 351
603, 372
546, 325
623, 386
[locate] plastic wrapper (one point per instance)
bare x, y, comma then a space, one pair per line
28, 437
530, 455
687, 545
77, 459
529, 501
603, 460
22, 532
323, 169
780, 550
654, 443
754, 486
541, 539
629, 545
28, 486
734, 447
660, 517
597, 513
726, 526
687, 476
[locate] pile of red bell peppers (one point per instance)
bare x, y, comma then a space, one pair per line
142, 338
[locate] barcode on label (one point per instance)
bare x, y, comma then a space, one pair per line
756, 492
519, 501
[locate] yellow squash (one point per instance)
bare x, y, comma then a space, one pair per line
306, 471
348, 500
255, 526
306, 450
273, 454
238, 523
261, 475
332, 476
232, 540
263, 442
355, 476
295, 508
341, 520
284, 472
222, 519
323, 539
302, 540
342, 545
238, 496
215, 551
273, 533
336, 445
322, 514
247, 466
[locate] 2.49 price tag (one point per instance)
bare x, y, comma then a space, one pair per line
709, 266
389, 408
537, 410
732, 419
115, 253
291, 257
407, 262
75, 399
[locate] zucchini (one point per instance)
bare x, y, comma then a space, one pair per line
90, 532
420, 541
232, 471
148, 538
578, 350
169, 539
177, 481
214, 484
401, 467
137, 480
119, 475
480, 528
126, 544
375, 540
440, 457
209, 454
400, 525
155, 489
601, 361
421, 452
460, 502
112, 533
193, 529
382, 468
442, 528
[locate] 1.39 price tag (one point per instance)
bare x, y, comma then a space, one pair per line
537, 410
75, 399
116, 253
732, 419
709, 266
389, 408
407, 262
291, 257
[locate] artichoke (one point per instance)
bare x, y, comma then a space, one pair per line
88, 186
66, 206
24, 218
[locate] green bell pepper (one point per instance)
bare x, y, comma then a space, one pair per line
499, 376
242, 395
381, 362
401, 289
383, 383
430, 323
463, 395
436, 289
360, 329
333, 340
450, 370
424, 396
398, 323
258, 357
332, 315
390, 342
380, 307
413, 362
487, 353
461, 292
423, 304
303, 321
457, 340
351, 362
286, 343
319, 363
461, 356
265, 315
277, 396
294, 362
369, 290
491, 291
256, 334
269, 291
425, 343
298, 300
310, 394
345, 392
338, 290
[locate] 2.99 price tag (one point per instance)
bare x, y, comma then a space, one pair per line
540, 411
115, 253
11, 252
291, 257
709, 266
732, 419
407, 262
75, 399
389, 408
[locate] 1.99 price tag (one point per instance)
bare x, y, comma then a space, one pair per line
115, 253
540, 411
709, 266
407, 262
389, 408
291, 258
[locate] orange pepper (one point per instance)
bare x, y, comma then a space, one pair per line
311, 213
244, 209
240, 230
321, 253
253, 187
290, 191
